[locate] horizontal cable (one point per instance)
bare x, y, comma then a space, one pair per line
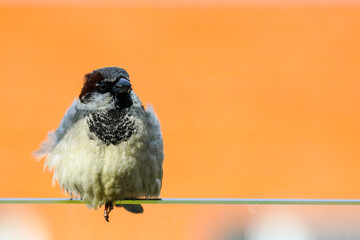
189, 201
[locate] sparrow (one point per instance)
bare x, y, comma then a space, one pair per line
107, 147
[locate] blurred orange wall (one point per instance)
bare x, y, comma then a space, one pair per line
254, 103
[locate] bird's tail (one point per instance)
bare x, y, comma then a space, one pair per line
133, 208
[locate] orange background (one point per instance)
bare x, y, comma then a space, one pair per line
255, 102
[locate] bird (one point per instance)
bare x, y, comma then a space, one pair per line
108, 147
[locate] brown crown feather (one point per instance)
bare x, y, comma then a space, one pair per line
90, 81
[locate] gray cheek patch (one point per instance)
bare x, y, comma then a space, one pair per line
111, 127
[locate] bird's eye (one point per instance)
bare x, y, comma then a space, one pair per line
103, 86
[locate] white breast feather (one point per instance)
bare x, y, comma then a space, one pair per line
101, 173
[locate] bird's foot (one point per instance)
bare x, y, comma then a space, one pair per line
108, 207
152, 198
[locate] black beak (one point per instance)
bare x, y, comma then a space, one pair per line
122, 85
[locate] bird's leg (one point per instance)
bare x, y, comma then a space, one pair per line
108, 207
71, 196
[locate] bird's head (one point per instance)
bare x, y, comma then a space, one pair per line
107, 88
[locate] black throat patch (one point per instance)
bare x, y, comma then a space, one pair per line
112, 126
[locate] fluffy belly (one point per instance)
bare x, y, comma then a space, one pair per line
99, 173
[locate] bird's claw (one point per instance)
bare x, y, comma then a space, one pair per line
108, 207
